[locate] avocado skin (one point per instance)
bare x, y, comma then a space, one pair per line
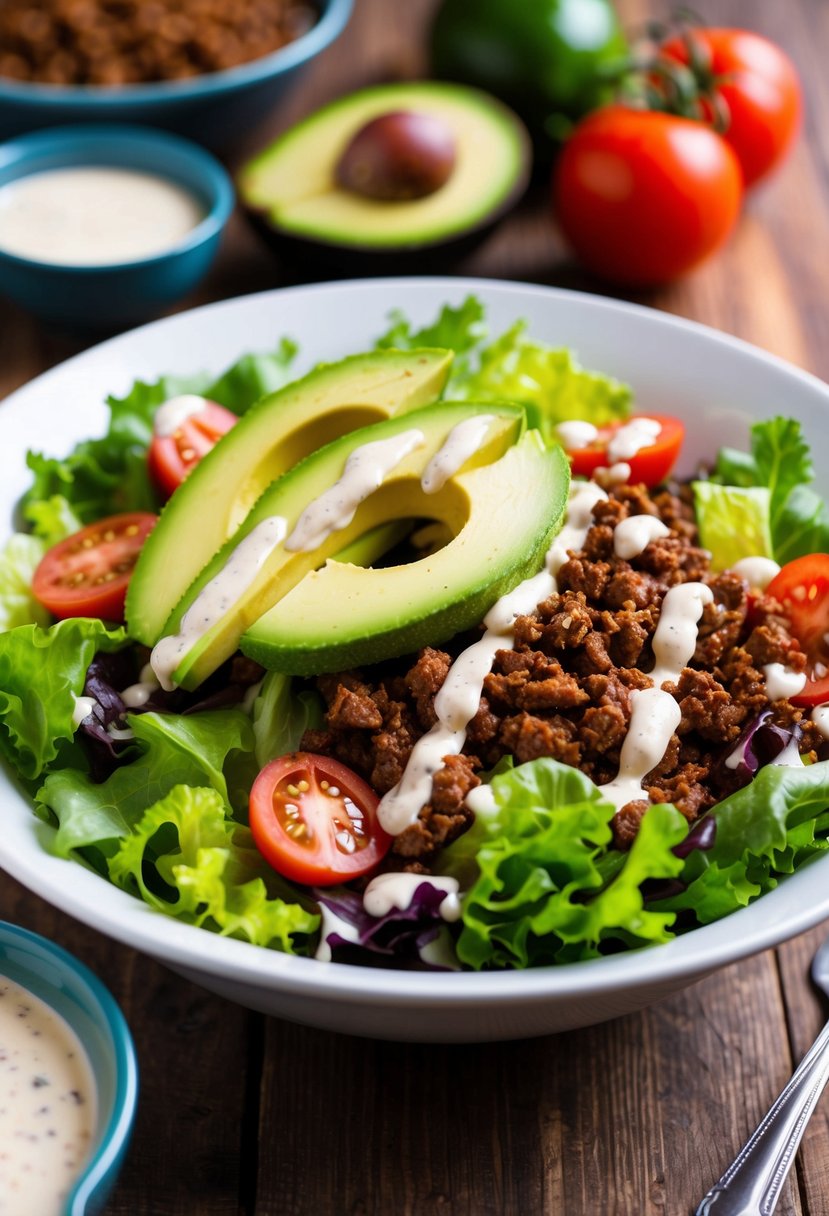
320, 260
429, 628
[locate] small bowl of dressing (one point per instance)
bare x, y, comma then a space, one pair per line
102, 227
68, 1081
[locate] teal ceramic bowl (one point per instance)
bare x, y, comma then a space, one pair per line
216, 109
116, 295
70, 988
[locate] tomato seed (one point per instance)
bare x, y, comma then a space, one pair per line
303, 786
109, 535
132, 530
293, 791
334, 791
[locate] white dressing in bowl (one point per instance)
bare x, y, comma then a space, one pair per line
48, 1105
94, 215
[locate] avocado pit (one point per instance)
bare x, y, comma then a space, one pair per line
398, 156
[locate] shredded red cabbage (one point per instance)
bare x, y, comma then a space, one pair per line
401, 935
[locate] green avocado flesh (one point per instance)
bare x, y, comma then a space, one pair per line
292, 183
504, 516
400, 496
268, 440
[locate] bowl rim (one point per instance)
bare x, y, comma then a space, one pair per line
334, 17
240, 963
92, 145
114, 1136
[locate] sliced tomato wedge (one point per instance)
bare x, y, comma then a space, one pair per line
315, 821
802, 590
87, 573
171, 457
651, 464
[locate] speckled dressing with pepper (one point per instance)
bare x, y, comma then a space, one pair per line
47, 1105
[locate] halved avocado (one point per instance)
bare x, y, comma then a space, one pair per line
267, 441
292, 186
278, 568
504, 515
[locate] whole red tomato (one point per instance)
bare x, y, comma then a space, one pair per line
760, 88
643, 196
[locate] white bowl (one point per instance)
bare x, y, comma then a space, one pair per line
715, 383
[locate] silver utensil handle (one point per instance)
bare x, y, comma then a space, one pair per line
751, 1184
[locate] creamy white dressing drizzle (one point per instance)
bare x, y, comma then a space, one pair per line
757, 571
217, 596
616, 475
47, 1105
169, 416
138, 694
655, 714
365, 469
461, 443
388, 891
83, 708
331, 923
654, 717
820, 717
575, 435
458, 699
94, 215
735, 759
675, 639
119, 733
790, 756
781, 682
631, 438
633, 535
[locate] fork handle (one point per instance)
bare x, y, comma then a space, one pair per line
751, 1184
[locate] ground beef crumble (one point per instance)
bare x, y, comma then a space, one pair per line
564, 690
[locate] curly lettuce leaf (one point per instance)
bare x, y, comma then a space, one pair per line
18, 561
541, 894
780, 460
765, 830
460, 329
105, 476
546, 380
194, 749
42, 671
186, 858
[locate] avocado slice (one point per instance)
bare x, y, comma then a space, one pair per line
267, 441
510, 511
292, 188
261, 548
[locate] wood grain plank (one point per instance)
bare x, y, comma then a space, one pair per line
636, 1116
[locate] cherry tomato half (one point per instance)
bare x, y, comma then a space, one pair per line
650, 465
642, 196
315, 821
761, 90
87, 573
802, 590
171, 457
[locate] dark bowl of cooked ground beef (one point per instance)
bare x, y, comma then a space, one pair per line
208, 69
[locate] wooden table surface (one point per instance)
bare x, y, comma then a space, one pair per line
244, 1114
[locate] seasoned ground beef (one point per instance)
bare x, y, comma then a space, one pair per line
564, 690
